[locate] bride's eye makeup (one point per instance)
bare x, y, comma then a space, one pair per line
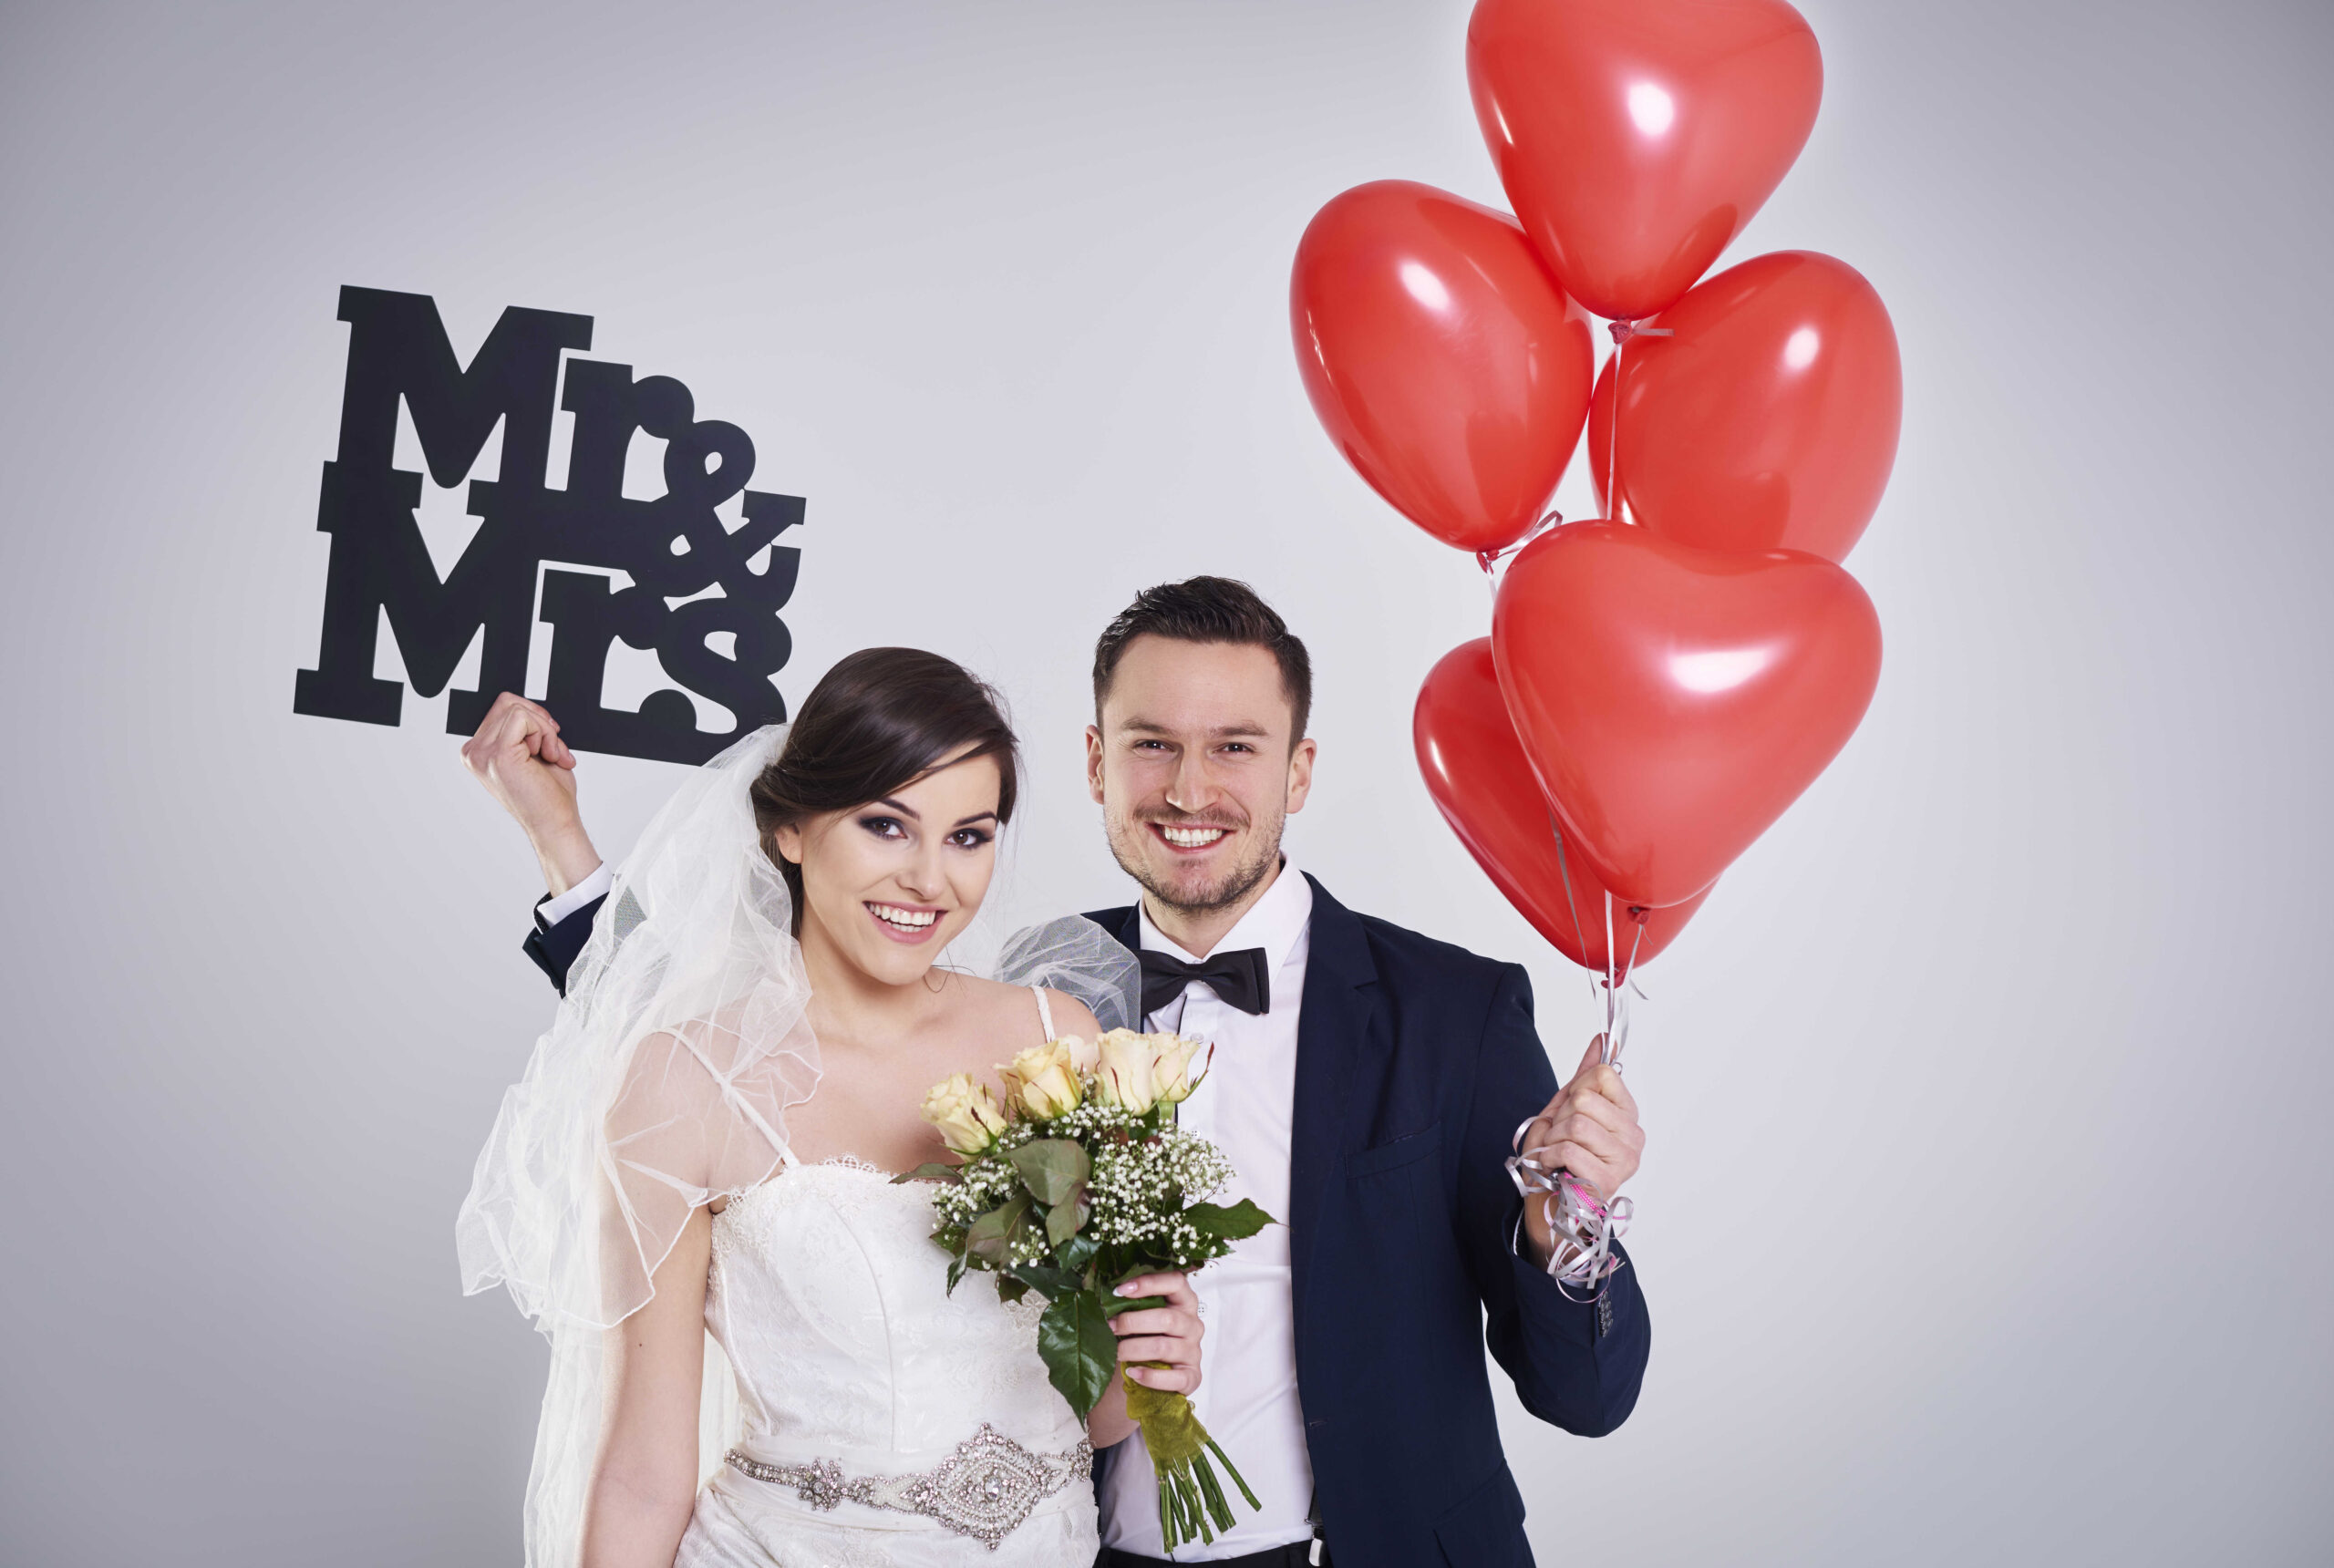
970, 838
887, 828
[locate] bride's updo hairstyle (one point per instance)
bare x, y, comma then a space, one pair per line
878, 721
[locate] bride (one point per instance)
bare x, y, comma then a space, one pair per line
690, 1190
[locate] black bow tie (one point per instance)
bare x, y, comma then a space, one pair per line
1240, 978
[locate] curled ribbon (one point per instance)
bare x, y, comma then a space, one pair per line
1582, 1225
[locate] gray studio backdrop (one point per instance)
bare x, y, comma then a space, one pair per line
1982, 1217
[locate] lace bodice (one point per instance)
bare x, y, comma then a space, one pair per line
829, 1298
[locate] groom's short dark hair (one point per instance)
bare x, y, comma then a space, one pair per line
1209, 610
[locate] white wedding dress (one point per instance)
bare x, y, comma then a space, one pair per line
886, 1423
872, 1418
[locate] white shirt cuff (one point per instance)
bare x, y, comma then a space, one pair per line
552, 910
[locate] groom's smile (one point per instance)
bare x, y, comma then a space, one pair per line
1189, 838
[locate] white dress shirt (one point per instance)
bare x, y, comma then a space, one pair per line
1245, 1107
554, 910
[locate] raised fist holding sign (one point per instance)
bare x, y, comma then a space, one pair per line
517, 754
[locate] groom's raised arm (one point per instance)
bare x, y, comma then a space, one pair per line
518, 756
563, 925
1576, 1363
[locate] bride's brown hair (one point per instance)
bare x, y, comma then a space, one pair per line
879, 720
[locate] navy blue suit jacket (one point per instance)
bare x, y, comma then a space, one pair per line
1415, 1062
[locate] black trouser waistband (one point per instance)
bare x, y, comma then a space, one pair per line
1296, 1556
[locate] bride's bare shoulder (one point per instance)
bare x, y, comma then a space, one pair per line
1012, 1010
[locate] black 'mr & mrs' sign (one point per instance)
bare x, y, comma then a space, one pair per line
692, 577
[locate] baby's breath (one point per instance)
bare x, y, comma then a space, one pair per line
1146, 1171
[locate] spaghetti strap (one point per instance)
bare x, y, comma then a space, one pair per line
1044, 1013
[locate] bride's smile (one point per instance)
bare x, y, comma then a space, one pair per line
907, 924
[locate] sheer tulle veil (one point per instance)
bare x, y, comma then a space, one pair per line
664, 1083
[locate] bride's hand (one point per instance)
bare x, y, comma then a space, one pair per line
1171, 1333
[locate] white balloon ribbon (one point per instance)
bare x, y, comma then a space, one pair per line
1584, 1226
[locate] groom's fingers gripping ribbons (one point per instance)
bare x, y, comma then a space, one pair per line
1171, 1333
1590, 1129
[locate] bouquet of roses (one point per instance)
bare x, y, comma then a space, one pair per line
1077, 1182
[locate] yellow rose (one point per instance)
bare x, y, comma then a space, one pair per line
1042, 1081
1125, 1076
1085, 1056
966, 1113
1170, 1067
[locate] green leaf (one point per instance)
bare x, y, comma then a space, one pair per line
1052, 1168
1009, 1289
1237, 1222
955, 1274
932, 1171
986, 1238
1075, 1253
1067, 1217
1051, 1283
1074, 1338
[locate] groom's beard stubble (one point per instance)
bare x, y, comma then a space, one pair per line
1132, 846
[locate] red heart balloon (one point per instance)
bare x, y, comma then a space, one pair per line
1769, 420
1476, 771
1675, 701
1442, 358
1636, 137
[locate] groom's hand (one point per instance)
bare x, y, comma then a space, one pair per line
1171, 1333
517, 754
1591, 1129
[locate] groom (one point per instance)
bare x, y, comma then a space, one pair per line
1366, 1083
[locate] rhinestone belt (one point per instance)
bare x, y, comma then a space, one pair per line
984, 1489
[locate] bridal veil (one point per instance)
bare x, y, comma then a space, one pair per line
663, 1083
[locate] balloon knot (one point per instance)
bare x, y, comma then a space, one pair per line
1488, 559
1624, 329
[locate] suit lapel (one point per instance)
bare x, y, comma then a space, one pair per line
1335, 1046
1333, 1043
1124, 923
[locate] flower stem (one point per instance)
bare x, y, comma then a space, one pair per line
1233, 1470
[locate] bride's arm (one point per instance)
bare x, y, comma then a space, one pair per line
643, 1483
1108, 1423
